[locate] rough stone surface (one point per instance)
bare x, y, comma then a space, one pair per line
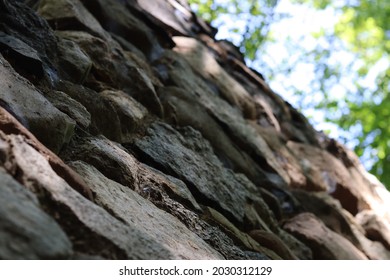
21, 53
52, 127
112, 68
26, 231
375, 227
172, 151
106, 235
73, 16
127, 131
325, 243
138, 212
74, 61
69, 106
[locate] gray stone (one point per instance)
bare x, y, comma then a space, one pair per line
177, 187
300, 249
92, 229
204, 64
113, 68
21, 54
189, 157
26, 231
230, 119
117, 164
117, 18
33, 38
141, 214
166, 192
69, 106
113, 113
73, 60
70, 15
52, 127
182, 109
131, 114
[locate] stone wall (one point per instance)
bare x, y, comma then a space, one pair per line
128, 132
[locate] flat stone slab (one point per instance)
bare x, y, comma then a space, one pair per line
143, 215
189, 157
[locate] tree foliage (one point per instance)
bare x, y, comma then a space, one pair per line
362, 31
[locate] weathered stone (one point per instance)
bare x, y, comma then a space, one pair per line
24, 59
9, 125
284, 157
297, 128
341, 221
141, 214
376, 228
21, 22
189, 157
128, 47
321, 169
142, 63
52, 127
26, 232
113, 113
325, 243
177, 187
324, 172
177, 70
172, 15
249, 140
152, 184
117, 164
69, 106
115, 17
205, 65
70, 15
74, 61
272, 242
211, 155
104, 119
300, 249
373, 194
113, 68
238, 236
329, 211
374, 250
131, 114
180, 108
91, 228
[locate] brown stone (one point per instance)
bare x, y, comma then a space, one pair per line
325, 243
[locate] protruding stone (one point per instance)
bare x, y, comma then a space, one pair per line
18, 96
23, 58
325, 243
189, 157
74, 61
113, 68
93, 230
141, 214
69, 106
70, 15
26, 231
